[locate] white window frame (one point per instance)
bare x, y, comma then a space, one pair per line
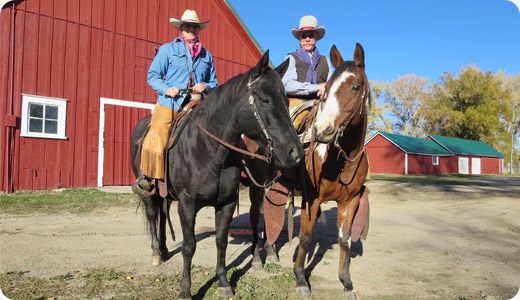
435, 160
62, 116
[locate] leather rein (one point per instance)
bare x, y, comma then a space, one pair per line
251, 99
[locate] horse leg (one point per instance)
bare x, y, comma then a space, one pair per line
187, 215
223, 217
345, 215
306, 227
256, 195
152, 208
162, 229
271, 256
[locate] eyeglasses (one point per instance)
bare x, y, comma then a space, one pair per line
305, 35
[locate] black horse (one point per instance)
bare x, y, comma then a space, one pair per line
206, 172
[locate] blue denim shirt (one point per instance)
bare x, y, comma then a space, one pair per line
171, 67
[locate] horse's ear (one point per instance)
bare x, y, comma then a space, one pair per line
335, 57
282, 68
261, 67
359, 56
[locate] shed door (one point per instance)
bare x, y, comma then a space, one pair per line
475, 165
463, 165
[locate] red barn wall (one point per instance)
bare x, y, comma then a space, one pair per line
85, 50
384, 156
491, 165
422, 164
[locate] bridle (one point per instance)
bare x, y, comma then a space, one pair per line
344, 124
269, 149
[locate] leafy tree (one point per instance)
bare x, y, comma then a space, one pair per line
511, 115
377, 120
404, 97
468, 107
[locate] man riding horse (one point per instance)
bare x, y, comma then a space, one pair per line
304, 82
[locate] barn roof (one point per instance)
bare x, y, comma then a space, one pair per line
413, 145
462, 146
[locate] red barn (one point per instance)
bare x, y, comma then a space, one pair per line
73, 82
398, 154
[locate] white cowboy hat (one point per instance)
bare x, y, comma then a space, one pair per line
308, 23
189, 16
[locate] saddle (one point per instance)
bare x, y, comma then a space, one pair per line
178, 124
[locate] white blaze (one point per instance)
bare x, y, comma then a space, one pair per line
330, 111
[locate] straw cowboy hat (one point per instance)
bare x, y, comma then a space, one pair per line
189, 16
308, 23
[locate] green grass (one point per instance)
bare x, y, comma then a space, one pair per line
68, 200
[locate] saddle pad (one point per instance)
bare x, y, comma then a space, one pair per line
361, 218
274, 209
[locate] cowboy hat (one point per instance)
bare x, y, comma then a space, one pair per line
308, 23
189, 16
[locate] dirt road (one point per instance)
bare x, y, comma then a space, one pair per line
425, 242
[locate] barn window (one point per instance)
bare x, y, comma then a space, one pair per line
43, 117
435, 160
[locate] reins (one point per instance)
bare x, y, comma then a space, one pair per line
251, 99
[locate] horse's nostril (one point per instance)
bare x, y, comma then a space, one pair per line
329, 130
295, 155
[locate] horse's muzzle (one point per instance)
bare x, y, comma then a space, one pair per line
325, 135
295, 155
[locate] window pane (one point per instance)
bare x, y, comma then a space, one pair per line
35, 125
35, 110
51, 112
51, 126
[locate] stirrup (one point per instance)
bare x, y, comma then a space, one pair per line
140, 190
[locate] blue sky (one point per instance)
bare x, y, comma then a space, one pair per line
426, 38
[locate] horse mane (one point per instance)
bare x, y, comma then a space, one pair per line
224, 95
350, 66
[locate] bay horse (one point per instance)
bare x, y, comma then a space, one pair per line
203, 169
335, 167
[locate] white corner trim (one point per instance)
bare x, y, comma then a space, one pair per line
405, 163
101, 140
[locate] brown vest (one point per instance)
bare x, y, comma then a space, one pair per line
322, 71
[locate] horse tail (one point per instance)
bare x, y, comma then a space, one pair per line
167, 202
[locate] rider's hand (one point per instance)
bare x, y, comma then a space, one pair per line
321, 89
172, 92
199, 87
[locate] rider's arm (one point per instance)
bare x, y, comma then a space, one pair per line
292, 85
157, 70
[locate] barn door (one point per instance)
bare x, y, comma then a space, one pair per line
117, 120
463, 165
475, 165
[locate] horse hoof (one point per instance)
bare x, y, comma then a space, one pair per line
257, 266
303, 291
272, 259
352, 295
156, 260
225, 292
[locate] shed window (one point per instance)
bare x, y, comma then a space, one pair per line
43, 117
435, 160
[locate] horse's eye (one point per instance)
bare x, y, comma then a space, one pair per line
264, 101
356, 88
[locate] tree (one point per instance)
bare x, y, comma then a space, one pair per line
512, 112
404, 97
468, 107
377, 120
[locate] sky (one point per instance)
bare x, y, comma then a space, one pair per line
425, 38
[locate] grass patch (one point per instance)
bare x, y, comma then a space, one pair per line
113, 284
68, 200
